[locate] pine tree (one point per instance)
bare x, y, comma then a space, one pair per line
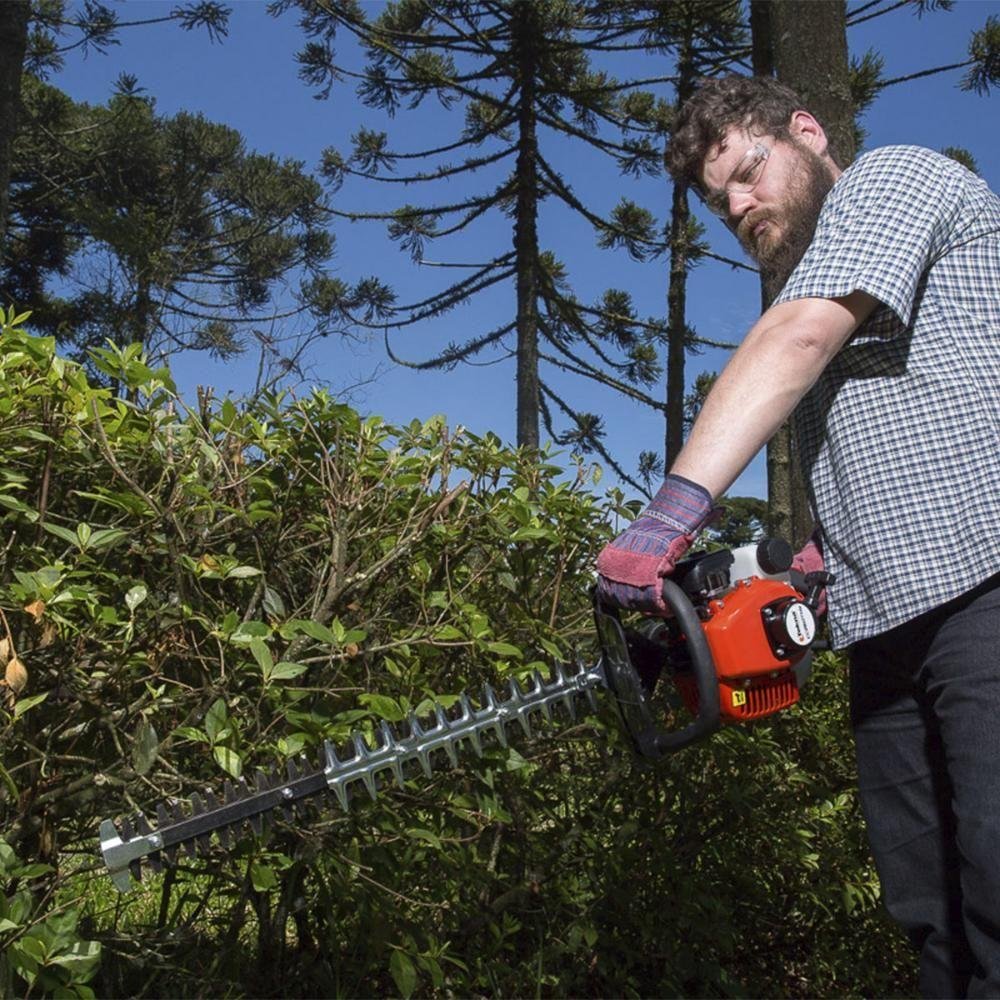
32, 37
13, 42
523, 75
165, 232
706, 38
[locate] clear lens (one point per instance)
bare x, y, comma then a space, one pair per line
744, 178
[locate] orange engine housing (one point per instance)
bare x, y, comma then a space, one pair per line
753, 680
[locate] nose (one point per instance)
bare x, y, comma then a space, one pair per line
740, 202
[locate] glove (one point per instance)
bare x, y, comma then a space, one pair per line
630, 568
809, 559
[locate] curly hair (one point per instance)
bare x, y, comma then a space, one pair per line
758, 104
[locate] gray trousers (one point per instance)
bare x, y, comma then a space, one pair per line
925, 707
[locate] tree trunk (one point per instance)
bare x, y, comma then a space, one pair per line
526, 229
14, 15
804, 43
680, 217
809, 46
677, 322
762, 56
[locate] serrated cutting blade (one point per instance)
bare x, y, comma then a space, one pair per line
124, 847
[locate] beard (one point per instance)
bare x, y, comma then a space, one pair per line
782, 244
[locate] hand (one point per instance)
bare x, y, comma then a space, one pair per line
630, 568
809, 559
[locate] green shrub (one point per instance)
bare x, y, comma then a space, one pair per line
190, 596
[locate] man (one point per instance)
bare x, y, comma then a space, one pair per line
885, 342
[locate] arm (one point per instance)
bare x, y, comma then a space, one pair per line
781, 357
777, 363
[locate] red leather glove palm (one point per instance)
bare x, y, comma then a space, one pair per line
631, 568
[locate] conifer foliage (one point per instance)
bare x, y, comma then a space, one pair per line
526, 81
165, 232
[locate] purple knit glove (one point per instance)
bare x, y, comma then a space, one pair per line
631, 567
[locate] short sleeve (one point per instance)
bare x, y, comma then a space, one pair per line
884, 223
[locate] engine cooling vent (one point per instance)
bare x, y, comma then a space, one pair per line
764, 697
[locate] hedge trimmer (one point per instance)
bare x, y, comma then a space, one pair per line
737, 648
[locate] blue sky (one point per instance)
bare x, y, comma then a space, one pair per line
250, 82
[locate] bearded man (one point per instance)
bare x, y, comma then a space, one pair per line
885, 342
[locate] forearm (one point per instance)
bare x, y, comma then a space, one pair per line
778, 361
750, 400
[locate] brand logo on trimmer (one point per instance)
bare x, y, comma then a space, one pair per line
800, 624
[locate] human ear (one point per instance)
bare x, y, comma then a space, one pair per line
805, 129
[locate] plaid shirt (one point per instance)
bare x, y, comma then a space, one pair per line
900, 437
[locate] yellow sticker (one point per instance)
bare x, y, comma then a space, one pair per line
739, 698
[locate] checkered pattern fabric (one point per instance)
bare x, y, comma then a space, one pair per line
900, 436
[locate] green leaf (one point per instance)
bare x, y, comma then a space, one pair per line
83, 533
8, 781
136, 596
23, 963
190, 733
105, 538
263, 656
295, 744
36, 435
438, 599
404, 974
250, 630
551, 648
230, 622
241, 572
263, 876
383, 706
11, 503
426, 836
530, 533
24, 704
273, 604
32, 946
32, 871
80, 958
229, 760
215, 718
504, 649
145, 747
128, 502
285, 670
64, 533
312, 629
431, 965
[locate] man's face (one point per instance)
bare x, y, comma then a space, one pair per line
774, 221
